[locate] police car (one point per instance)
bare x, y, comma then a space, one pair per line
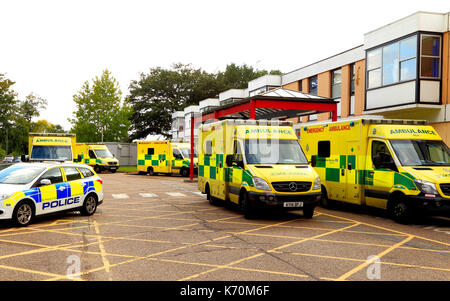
31, 189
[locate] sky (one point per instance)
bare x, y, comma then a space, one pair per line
50, 48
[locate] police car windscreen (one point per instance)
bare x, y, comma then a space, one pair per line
274, 151
103, 153
421, 152
51, 152
19, 175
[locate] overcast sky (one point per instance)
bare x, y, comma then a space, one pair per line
52, 47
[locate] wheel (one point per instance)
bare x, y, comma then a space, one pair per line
308, 211
212, 200
400, 211
23, 214
246, 206
89, 205
150, 171
325, 202
141, 172
97, 169
184, 172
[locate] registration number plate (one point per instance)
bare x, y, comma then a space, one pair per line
293, 204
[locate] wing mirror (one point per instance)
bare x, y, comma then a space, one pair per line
313, 161
45, 182
229, 160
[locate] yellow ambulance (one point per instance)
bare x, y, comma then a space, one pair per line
399, 165
164, 157
96, 155
51, 147
256, 164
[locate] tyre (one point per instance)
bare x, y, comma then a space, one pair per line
400, 211
97, 169
325, 202
246, 206
23, 214
150, 171
184, 172
89, 205
212, 200
308, 211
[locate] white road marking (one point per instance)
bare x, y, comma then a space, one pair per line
148, 195
120, 196
198, 193
175, 194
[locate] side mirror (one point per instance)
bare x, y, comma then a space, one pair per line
23, 158
240, 164
229, 160
313, 161
45, 182
80, 158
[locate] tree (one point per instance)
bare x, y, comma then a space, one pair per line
8, 106
101, 115
43, 126
163, 91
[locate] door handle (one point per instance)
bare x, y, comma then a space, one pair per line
342, 172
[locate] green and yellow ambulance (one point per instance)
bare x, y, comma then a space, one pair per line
164, 157
256, 164
399, 165
96, 155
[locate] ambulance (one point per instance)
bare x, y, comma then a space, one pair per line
51, 147
164, 157
402, 166
96, 155
256, 164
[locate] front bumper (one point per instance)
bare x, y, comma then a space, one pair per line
429, 205
276, 200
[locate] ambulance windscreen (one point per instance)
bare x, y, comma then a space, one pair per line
51, 152
103, 153
274, 151
421, 152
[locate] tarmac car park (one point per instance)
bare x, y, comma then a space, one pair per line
32, 189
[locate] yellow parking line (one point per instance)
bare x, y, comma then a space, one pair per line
29, 271
368, 262
102, 251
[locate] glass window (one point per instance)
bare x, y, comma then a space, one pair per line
323, 149
273, 151
103, 153
352, 79
336, 80
19, 174
408, 48
313, 85
86, 172
374, 59
54, 175
72, 173
390, 64
92, 154
430, 56
374, 78
177, 154
300, 87
421, 152
150, 151
408, 70
381, 156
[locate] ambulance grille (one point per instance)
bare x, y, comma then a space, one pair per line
289, 187
445, 188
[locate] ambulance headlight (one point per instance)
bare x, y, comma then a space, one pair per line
4, 196
316, 185
426, 187
261, 184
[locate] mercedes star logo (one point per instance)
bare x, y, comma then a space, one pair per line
292, 186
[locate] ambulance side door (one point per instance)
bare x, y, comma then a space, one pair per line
236, 171
380, 171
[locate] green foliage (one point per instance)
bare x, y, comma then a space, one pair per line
2, 152
43, 126
156, 95
100, 114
